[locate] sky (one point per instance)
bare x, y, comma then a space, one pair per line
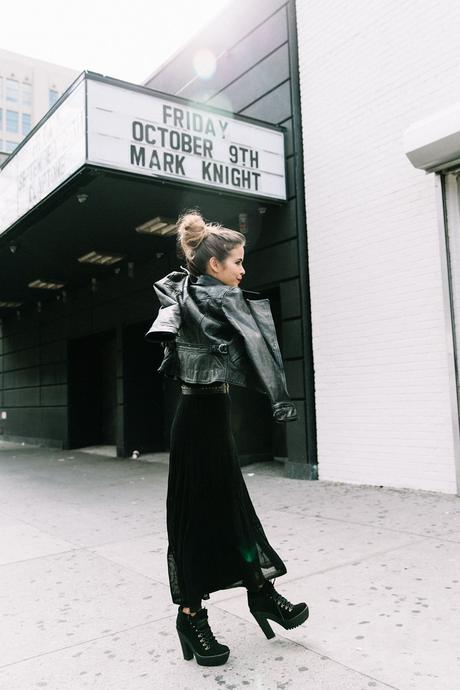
126, 39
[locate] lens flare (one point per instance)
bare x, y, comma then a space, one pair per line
204, 63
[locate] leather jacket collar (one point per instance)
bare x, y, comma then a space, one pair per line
205, 279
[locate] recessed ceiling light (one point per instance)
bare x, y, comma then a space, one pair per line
158, 226
100, 259
46, 284
12, 305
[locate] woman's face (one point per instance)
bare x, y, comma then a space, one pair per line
230, 271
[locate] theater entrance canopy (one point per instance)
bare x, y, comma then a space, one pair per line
111, 157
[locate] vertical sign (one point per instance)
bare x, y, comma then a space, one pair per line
54, 151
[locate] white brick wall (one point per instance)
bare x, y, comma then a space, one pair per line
369, 68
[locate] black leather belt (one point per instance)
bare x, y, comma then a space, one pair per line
204, 390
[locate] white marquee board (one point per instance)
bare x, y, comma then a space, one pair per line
148, 135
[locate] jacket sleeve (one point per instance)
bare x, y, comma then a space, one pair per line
264, 359
168, 321
166, 324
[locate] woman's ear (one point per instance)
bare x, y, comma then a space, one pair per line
214, 264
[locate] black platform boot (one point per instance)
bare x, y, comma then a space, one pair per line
196, 638
268, 604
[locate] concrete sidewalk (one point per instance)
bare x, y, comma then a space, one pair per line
85, 600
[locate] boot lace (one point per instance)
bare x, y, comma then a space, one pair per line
204, 633
279, 600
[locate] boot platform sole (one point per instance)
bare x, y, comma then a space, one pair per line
202, 660
262, 619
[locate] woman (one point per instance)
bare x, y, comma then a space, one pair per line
214, 336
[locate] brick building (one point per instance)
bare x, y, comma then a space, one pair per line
382, 313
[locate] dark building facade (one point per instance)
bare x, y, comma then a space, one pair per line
74, 367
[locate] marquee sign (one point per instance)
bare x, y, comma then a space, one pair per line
150, 135
105, 123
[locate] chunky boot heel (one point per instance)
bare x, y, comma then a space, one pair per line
197, 639
264, 624
186, 649
267, 603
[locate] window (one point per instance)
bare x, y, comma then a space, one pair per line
1, 145
26, 93
52, 97
10, 146
12, 121
1, 88
1, 118
26, 123
12, 90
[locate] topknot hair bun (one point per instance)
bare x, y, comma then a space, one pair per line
191, 231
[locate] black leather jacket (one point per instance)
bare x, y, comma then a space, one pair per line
213, 332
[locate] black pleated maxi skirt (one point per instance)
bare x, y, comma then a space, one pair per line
215, 539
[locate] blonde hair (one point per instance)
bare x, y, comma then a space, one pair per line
197, 241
